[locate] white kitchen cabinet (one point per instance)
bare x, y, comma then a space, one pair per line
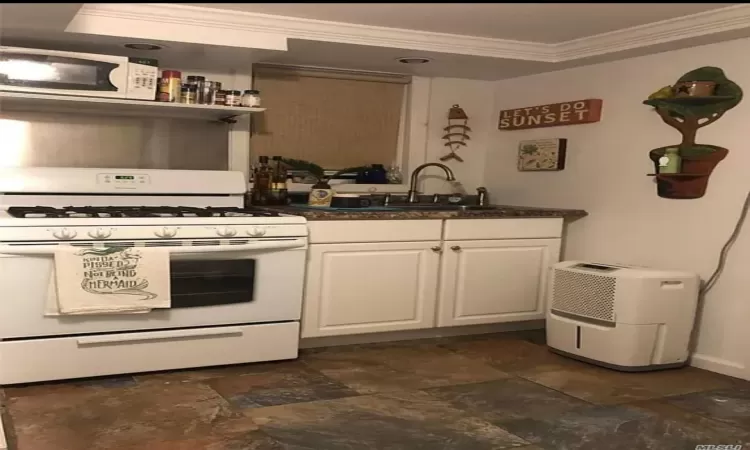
492, 281
356, 288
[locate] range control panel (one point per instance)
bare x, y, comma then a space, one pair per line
123, 180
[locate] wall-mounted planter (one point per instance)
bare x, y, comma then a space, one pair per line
687, 114
697, 165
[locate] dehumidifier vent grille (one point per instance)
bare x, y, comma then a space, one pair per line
584, 294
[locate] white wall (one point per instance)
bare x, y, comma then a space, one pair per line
476, 99
606, 175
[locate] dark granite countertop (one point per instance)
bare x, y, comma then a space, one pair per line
499, 212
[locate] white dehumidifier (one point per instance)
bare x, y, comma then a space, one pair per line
622, 317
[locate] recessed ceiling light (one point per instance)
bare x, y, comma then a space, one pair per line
413, 60
143, 46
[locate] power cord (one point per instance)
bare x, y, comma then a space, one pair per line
717, 272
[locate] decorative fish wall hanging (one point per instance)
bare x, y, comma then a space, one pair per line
457, 132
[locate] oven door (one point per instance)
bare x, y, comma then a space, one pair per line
213, 282
55, 72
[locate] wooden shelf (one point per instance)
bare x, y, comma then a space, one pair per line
22, 101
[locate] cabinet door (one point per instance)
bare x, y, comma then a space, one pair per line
495, 281
365, 288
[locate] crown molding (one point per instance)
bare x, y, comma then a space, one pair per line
697, 25
165, 14
246, 29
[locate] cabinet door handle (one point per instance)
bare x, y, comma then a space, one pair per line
456, 248
436, 249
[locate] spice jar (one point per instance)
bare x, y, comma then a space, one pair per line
206, 92
193, 80
220, 97
251, 98
188, 95
169, 86
233, 98
213, 99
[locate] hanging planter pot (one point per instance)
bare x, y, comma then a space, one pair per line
692, 181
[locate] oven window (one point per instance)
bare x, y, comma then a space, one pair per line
212, 282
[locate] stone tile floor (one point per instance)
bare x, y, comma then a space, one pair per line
475, 393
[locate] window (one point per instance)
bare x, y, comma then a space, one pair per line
335, 119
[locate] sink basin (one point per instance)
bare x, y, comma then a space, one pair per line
433, 207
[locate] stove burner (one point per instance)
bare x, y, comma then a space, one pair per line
30, 212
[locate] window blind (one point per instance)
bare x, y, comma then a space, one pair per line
333, 118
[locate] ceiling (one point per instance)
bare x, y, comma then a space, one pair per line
535, 22
474, 41
181, 55
384, 59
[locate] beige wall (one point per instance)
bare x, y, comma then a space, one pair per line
476, 99
606, 175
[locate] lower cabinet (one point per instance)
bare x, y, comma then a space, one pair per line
356, 288
439, 273
491, 281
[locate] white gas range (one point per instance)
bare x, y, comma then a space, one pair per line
236, 274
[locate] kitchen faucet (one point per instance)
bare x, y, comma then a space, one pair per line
412, 197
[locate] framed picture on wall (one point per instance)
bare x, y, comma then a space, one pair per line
540, 155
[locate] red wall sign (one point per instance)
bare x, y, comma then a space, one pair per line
556, 114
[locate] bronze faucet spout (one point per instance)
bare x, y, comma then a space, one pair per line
412, 197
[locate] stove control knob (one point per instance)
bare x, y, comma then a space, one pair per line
64, 234
166, 232
256, 232
226, 231
100, 233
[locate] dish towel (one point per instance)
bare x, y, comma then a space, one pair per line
126, 280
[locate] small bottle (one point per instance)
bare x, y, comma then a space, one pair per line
262, 182
671, 162
249, 192
278, 193
321, 194
251, 98
279, 175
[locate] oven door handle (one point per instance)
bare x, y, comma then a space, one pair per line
256, 246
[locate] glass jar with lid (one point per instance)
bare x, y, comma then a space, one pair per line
188, 95
193, 80
251, 98
232, 98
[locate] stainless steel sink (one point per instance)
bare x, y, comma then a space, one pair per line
433, 207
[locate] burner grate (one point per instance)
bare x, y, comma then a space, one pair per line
30, 212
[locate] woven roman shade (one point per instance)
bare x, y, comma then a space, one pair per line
333, 118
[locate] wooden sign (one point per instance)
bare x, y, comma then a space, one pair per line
554, 115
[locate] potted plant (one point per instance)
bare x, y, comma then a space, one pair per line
688, 114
